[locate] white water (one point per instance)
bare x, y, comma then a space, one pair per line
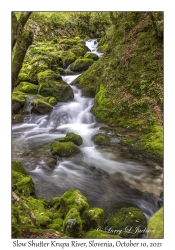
106, 181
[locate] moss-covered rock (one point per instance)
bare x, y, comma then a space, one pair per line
78, 50
23, 77
91, 56
93, 218
73, 199
36, 68
101, 139
131, 221
66, 58
22, 184
70, 136
81, 64
17, 118
155, 227
100, 234
64, 149
27, 87
42, 107
51, 84
51, 100
72, 223
18, 100
17, 166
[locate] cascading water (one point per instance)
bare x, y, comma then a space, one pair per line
105, 180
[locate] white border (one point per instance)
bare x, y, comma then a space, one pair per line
5, 97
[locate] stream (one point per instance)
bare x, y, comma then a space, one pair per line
107, 178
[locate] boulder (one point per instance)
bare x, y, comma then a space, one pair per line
18, 100
27, 87
51, 84
81, 64
72, 224
64, 149
42, 107
101, 139
93, 218
17, 118
73, 199
91, 56
76, 139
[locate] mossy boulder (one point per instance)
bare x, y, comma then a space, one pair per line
51, 84
23, 77
81, 64
64, 149
27, 87
51, 100
18, 100
155, 227
91, 56
42, 107
36, 68
93, 218
100, 234
48, 75
130, 220
22, 184
78, 50
17, 118
101, 139
73, 199
70, 136
17, 166
72, 223
66, 58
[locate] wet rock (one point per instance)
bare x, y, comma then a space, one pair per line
64, 149
81, 64
72, 223
93, 218
42, 107
101, 139
18, 118
72, 137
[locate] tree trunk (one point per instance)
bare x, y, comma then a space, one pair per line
23, 42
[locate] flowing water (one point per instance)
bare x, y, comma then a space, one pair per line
106, 178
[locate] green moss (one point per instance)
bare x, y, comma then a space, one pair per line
152, 141
16, 228
81, 64
48, 75
72, 137
93, 218
91, 56
58, 89
101, 139
27, 87
57, 224
64, 149
51, 100
17, 166
72, 223
73, 199
155, 225
99, 234
43, 220
22, 184
128, 220
42, 107
67, 57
